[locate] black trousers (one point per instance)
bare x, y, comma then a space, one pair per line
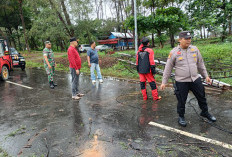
182, 90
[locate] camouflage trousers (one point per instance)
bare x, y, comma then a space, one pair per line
50, 72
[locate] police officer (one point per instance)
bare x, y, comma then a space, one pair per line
49, 63
187, 61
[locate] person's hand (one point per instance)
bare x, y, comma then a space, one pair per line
163, 86
49, 66
55, 65
100, 62
89, 65
77, 72
208, 80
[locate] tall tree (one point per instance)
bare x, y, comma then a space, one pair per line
210, 15
23, 24
66, 15
54, 6
174, 20
152, 4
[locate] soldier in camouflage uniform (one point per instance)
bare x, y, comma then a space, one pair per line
49, 63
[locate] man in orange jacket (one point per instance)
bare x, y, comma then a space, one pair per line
146, 69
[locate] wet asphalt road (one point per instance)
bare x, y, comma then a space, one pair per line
111, 120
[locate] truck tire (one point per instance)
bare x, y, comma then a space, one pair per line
4, 73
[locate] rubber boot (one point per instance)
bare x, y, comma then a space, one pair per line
144, 93
155, 94
51, 85
54, 84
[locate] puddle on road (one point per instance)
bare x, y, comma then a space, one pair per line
96, 149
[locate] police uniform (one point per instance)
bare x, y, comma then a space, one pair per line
146, 68
187, 63
50, 72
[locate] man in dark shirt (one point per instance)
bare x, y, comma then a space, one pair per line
93, 62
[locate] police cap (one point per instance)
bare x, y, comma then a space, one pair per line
185, 34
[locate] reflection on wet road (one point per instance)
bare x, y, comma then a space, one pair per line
111, 120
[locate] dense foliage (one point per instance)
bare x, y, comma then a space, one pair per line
28, 23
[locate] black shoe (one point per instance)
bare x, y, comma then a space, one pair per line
182, 121
208, 116
54, 84
51, 85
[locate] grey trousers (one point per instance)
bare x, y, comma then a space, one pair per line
75, 82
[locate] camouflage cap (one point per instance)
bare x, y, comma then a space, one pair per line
47, 42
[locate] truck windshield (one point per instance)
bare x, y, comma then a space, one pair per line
13, 51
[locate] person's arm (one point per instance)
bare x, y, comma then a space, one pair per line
77, 71
88, 58
54, 59
201, 67
46, 59
151, 60
168, 70
137, 61
137, 58
78, 61
75, 61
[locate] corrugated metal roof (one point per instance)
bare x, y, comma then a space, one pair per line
122, 35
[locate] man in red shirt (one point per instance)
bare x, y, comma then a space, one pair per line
75, 66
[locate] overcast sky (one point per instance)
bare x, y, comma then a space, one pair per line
108, 10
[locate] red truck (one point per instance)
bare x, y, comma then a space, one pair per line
5, 60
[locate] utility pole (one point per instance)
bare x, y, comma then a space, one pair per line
136, 30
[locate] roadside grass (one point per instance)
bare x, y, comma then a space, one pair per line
34, 155
3, 153
39, 52
210, 51
31, 64
60, 67
227, 80
19, 131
